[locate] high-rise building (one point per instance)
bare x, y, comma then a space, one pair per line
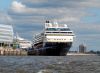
82, 48
6, 35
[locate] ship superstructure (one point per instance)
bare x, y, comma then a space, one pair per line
22, 43
55, 40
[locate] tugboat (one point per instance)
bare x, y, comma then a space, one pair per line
55, 40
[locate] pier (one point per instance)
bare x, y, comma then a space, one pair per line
12, 52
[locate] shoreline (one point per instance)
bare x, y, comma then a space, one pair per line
79, 54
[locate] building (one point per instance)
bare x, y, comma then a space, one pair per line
82, 48
6, 35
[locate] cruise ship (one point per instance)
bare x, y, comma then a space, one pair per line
22, 43
55, 40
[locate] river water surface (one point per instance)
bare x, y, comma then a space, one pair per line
49, 64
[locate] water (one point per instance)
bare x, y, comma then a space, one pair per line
49, 64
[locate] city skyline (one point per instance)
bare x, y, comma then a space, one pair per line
29, 16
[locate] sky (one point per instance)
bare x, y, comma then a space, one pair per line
29, 16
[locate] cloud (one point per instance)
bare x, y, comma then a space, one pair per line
5, 18
34, 1
62, 3
91, 3
62, 14
70, 11
18, 7
35, 11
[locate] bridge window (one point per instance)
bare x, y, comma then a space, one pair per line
64, 29
51, 29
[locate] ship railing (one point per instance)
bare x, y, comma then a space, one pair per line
58, 31
63, 34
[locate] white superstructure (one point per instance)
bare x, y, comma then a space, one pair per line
55, 32
6, 34
23, 43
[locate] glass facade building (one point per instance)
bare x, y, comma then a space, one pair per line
6, 35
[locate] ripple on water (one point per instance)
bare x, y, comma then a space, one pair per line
44, 64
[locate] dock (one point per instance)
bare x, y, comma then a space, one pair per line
12, 52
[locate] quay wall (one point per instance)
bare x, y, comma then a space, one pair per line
12, 52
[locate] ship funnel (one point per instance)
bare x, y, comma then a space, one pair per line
47, 21
48, 24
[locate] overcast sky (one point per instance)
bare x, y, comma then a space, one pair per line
28, 17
